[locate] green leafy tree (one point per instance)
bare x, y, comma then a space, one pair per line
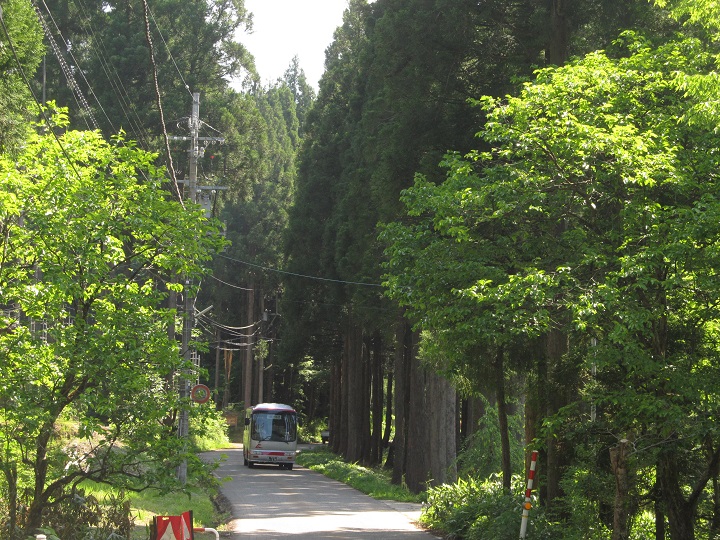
304, 94
256, 214
20, 53
106, 43
89, 239
595, 201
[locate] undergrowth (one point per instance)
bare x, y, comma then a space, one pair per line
374, 482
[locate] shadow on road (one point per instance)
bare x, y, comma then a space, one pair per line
267, 502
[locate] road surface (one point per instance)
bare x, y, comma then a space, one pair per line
268, 502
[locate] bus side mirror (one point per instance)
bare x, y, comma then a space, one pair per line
247, 421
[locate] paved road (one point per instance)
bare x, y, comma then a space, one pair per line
269, 503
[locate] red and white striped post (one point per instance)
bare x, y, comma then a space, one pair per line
527, 505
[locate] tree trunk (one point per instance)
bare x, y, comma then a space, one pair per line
376, 363
403, 355
424, 418
557, 48
355, 392
556, 344
442, 414
336, 406
10, 472
341, 443
474, 410
365, 384
503, 421
659, 514
681, 515
388, 409
417, 463
715, 521
621, 514
33, 520
226, 383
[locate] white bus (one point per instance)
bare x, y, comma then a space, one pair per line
270, 435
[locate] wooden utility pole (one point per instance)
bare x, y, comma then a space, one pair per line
189, 301
188, 323
250, 315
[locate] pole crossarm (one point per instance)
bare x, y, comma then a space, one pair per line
182, 138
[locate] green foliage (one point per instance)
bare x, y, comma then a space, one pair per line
149, 503
26, 37
480, 456
84, 516
194, 48
208, 428
310, 430
373, 482
91, 236
476, 510
594, 215
703, 13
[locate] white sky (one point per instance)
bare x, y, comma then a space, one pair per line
285, 28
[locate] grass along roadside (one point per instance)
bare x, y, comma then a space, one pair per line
374, 482
147, 504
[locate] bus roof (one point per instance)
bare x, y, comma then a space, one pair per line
272, 407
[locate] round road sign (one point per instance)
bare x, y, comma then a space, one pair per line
200, 393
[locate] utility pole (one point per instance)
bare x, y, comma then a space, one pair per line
189, 301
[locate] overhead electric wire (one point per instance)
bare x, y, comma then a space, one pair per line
187, 87
77, 94
171, 167
209, 126
285, 272
241, 341
116, 83
231, 285
79, 70
32, 93
230, 328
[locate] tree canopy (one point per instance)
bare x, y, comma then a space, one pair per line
598, 199
90, 242
20, 53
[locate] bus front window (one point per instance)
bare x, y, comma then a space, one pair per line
274, 427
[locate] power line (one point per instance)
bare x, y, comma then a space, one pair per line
32, 93
230, 284
72, 84
285, 272
230, 328
187, 87
116, 83
63, 65
168, 155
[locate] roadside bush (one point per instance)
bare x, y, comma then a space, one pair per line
208, 429
84, 517
474, 509
374, 482
309, 431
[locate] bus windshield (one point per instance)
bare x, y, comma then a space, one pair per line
274, 426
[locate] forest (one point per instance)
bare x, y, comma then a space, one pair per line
493, 229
